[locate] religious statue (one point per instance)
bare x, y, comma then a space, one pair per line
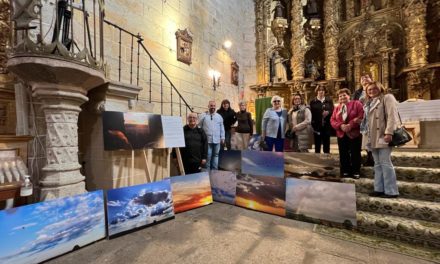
312, 68
373, 70
278, 11
280, 69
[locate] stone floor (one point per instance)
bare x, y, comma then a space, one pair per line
221, 233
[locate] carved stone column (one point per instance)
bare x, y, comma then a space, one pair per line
61, 86
357, 70
331, 33
349, 6
61, 106
350, 74
298, 41
385, 70
416, 42
260, 40
393, 70
5, 31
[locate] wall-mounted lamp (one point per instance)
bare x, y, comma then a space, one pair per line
215, 76
227, 44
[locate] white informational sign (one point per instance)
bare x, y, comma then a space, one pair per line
420, 110
173, 131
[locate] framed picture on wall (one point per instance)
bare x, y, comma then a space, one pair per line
184, 46
234, 73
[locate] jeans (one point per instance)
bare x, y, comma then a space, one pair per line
228, 139
212, 160
277, 142
384, 174
350, 155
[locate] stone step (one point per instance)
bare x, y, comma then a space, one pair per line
415, 209
411, 190
410, 174
409, 159
399, 228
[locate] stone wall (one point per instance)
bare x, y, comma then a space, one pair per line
210, 22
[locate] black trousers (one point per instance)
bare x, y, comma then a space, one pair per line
350, 155
322, 139
191, 167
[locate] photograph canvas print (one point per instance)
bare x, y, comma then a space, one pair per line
191, 191
262, 163
136, 206
129, 131
311, 166
223, 186
229, 160
261, 193
321, 202
38, 232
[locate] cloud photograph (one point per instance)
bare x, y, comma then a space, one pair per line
262, 163
40, 231
223, 186
136, 206
320, 200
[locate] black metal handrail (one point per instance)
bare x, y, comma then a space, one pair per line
152, 61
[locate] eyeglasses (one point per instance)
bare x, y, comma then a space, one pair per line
276, 101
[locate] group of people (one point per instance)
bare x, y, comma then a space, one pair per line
205, 138
365, 120
297, 125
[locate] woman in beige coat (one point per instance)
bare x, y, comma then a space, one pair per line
380, 120
299, 119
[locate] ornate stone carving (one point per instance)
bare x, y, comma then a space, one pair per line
298, 41
5, 32
419, 83
26, 11
331, 36
416, 42
279, 27
184, 45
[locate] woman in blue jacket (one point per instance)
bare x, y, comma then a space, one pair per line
274, 125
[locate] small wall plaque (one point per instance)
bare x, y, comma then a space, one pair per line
184, 45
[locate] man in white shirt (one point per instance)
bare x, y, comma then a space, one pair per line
212, 123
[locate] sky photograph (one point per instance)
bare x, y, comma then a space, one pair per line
223, 186
262, 163
191, 191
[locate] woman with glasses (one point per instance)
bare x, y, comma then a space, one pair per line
273, 125
380, 121
299, 119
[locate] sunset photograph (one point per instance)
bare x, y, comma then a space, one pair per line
316, 201
132, 131
191, 191
261, 193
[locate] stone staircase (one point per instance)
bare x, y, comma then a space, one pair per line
414, 217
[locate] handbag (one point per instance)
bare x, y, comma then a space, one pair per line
289, 134
400, 135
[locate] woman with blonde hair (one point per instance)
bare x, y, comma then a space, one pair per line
299, 119
273, 125
380, 121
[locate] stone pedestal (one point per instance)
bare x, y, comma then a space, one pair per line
61, 86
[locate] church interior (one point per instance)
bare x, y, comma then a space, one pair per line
65, 63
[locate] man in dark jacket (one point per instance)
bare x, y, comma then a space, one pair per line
322, 108
229, 118
195, 152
